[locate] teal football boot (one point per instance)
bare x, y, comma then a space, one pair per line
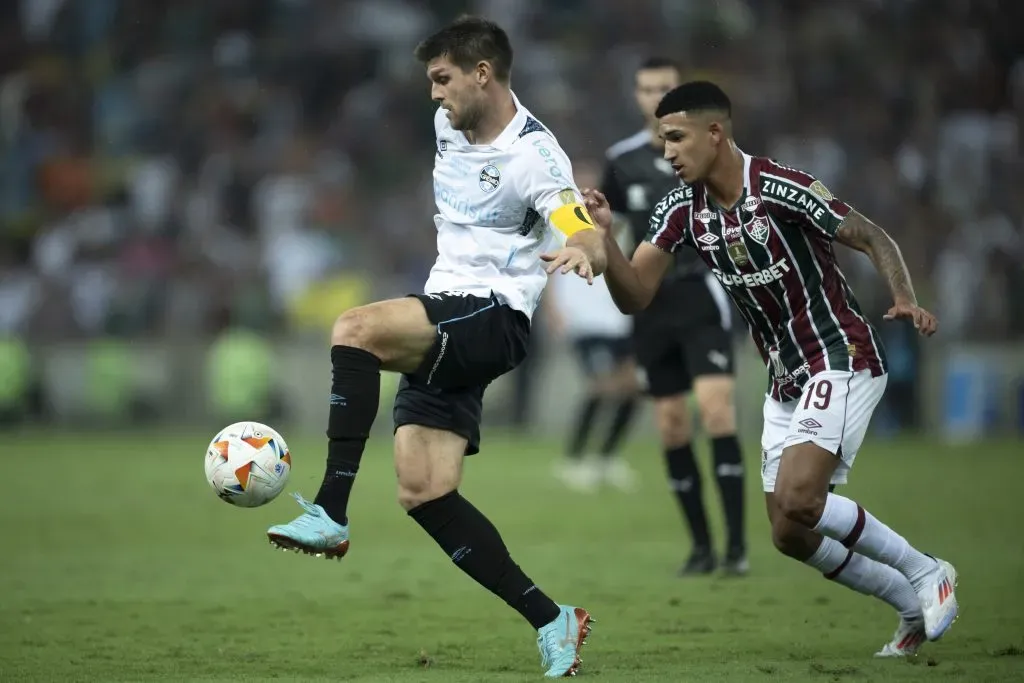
312, 532
560, 641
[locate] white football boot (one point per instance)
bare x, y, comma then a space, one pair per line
938, 599
906, 641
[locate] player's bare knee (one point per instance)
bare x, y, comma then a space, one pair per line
718, 418
601, 386
355, 327
625, 381
415, 489
714, 396
673, 420
791, 539
800, 503
783, 538
411, 495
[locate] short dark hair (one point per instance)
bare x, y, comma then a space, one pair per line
468, 41
694, 96
659, 62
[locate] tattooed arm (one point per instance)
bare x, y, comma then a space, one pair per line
857, 232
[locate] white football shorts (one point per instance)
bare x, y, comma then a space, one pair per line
833, 412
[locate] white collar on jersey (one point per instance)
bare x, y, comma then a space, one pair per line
746, 171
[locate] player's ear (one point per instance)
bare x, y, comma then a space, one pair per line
483, 73
716, 131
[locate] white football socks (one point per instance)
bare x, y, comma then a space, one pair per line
866, 576
855, 528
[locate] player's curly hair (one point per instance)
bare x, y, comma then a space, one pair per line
466, 42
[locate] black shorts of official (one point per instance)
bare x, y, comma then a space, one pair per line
600, 355
683, 336
478, 340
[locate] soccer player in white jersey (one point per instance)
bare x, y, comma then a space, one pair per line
506, 204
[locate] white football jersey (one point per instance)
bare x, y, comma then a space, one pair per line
495, 204
587, 310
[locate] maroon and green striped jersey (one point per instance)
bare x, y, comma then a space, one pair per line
773, 253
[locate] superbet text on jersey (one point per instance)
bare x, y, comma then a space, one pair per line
773, 254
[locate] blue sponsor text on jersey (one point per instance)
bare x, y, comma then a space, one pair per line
479, 214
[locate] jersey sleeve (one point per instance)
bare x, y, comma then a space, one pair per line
802, 199
670, 221
545, 181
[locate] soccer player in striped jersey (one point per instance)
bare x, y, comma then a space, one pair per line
768, 233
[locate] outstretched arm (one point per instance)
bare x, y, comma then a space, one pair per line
857, 232
632, 284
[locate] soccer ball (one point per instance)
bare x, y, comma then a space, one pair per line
248, 464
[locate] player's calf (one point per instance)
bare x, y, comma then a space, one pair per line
429, 461
801, 494
857, 572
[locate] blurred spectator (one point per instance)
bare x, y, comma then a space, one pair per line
168, 166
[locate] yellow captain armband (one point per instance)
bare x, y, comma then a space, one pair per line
570, 219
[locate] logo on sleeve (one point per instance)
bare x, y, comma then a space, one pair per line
567, 196
820, 190
549, 159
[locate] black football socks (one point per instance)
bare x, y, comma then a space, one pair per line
583, 425
355, 396
729, 473
685, 480
620, 423
475, 546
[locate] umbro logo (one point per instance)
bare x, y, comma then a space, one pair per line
810, 423
708, 238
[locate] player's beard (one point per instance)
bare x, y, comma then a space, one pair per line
467, 118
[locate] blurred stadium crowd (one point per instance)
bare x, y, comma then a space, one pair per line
171, 167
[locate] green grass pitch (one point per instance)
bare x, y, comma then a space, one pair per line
120, 564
